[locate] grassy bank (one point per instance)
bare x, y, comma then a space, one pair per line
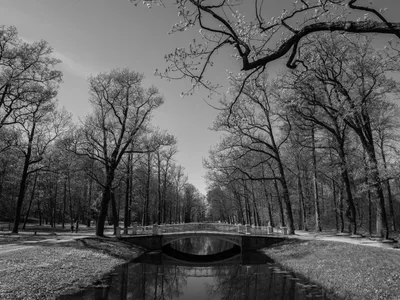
347, 271
44, 270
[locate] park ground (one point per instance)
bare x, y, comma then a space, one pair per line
48, 263
347, 268
51, 263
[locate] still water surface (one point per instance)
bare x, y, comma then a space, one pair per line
217, 271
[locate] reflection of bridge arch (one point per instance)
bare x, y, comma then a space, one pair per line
170, 238
199, 271
176, 257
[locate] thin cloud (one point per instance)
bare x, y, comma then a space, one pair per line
72, 66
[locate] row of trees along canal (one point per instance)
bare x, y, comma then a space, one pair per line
317, 147
60, 172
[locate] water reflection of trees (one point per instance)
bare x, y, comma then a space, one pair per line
158, 282
253, 282
150, 279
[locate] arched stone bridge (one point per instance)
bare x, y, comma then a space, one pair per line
246, 237
169, 238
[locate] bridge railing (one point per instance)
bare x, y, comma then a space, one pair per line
209, 227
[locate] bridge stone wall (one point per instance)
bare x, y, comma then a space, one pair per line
156, 242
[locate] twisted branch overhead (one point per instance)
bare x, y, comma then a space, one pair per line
258, 57
290, 45
345, 26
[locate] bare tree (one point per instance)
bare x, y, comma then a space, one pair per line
385, 125
122, 111
347, 76
255, 120
24, 69
312, 101
41, 126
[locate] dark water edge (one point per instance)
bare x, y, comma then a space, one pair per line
152, 276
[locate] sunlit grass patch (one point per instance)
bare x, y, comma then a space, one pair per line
348, 271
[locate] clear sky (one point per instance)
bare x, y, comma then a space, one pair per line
92, 36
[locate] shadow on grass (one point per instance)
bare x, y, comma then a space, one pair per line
110, 246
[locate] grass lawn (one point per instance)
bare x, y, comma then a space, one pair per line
347, 271
44, 271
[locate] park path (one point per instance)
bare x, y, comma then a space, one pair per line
10, 243
324, 236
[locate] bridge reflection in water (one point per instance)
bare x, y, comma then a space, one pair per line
221, 272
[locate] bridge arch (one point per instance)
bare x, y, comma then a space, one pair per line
180, 257
168, 239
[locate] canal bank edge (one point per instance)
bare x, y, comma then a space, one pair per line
43, 270
345, 271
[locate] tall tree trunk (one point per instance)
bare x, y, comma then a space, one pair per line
351, 209
21, 196
341, 209
127, 192
159, 212
30, 201
286, 199
89, 200
24, 177
103, 211
315, 184
391, 207
164, 198
70, 202
302, 216
177, 218
269, 208
241, 210
39, 211
335, 204
382, 226
55, 201
64, 204
114, 212
256, 214
389, 192
246, 204
101, 220
147, 214
279, 201
362, 127
369, 213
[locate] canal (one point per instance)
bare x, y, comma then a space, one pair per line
200, 268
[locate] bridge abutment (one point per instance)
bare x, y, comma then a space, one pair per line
150, 243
